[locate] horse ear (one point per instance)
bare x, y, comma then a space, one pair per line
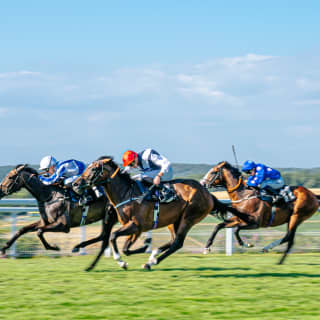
21, 167
105, 160
222, 164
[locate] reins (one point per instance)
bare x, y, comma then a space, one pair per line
235, 187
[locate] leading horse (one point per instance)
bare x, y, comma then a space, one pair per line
193, 204
58, 213
261, 214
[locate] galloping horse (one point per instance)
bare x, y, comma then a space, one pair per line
193, 204
260, 213
57, 212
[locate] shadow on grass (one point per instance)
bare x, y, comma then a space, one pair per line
155, 268
262, 275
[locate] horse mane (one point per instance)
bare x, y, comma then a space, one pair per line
125, 175
28, 169
234, 171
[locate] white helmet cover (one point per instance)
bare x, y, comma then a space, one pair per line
47, 162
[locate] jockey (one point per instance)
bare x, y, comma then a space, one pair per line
64, 172
266, 178
153, 166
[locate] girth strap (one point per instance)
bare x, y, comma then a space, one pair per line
155, 215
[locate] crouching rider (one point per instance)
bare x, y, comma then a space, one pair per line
64, 173
268, 179
154, 168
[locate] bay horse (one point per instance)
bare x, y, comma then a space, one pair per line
261, 214
192, 205
57, 212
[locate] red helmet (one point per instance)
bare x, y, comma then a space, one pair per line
128, 157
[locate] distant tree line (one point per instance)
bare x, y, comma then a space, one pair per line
309, 178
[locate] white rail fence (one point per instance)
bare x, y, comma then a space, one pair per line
17, 209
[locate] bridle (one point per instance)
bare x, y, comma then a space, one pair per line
98, 172
218, 175
10, 189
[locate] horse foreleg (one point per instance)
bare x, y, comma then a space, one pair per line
29, 228
239, 239
56, 226
213, 235
128, 229
105, 232
105, 235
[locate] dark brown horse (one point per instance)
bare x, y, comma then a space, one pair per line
57, 212
260, 213
193, 204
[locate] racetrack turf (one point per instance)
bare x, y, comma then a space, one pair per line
185, 286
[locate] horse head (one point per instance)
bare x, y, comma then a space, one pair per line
98, 172
16, 179
220, 174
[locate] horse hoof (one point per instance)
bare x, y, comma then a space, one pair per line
146, 266
74, 250
206, 251
124, 265
88, 269
250, 245
264, 250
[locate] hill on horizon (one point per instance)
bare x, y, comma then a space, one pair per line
309, 178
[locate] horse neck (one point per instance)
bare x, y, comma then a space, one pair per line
36, 188
231, 182
117, 189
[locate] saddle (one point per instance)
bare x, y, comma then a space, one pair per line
164, 193
281, 196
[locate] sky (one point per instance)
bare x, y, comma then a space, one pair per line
82, 79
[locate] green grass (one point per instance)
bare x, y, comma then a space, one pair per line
185, 286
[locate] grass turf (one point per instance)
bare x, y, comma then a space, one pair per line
185, 286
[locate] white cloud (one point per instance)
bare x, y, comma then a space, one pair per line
246, 100
18, 74
3, 112
314, 102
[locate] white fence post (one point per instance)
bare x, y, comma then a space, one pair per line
83, 238
13, 249
229, 240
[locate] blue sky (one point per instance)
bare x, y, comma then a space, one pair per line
82, 79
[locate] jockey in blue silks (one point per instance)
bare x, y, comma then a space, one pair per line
266, 178
64, 172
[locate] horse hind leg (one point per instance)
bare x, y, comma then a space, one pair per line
183, 229
289, 237
164, 247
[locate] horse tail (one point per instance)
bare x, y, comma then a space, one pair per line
221, 209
